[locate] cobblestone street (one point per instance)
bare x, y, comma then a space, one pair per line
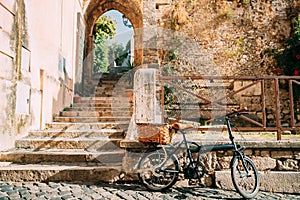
64, 191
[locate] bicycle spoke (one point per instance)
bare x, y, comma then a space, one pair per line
155, 176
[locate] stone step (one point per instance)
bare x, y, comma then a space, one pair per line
104, 90
85, 133
102, 113
120, 104
275, 181
59, 155
109, 93
109, 81
85, 126
98, 100
107, 84
62, 172
101, 108
92, 119
90, 144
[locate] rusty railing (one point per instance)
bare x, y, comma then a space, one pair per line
275, 106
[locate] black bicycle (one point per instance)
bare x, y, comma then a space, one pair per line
159, 167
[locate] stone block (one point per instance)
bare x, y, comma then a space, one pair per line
248, 152
287, 182
224, 162
257, 152
281, 154
297, 155
265, 153
273, 181
264, 163
288, 165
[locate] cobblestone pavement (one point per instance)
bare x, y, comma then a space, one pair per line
68, 191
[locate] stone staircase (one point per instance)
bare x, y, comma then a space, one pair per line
81, 144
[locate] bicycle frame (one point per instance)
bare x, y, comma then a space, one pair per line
157, 172
201, 149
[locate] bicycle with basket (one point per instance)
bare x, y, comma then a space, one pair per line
159, 167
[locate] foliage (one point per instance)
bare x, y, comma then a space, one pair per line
172, 54
288, 59
118, 52
104, 29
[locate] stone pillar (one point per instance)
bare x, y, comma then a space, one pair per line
145, 97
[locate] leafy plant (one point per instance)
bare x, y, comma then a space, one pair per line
104, 29
118, 52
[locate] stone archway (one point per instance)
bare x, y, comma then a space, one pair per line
93, 9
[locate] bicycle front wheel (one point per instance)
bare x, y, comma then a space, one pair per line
155, 176
245, 177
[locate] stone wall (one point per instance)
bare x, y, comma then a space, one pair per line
239, 35
282, 159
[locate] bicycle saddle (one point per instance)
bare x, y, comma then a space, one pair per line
181, 126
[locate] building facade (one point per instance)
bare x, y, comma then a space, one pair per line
45, 47
38, 50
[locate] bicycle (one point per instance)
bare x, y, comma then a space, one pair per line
159, 167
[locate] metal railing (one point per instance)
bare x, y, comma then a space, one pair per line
277, 99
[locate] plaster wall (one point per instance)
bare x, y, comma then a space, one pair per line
53, 51
7, 103
47, 59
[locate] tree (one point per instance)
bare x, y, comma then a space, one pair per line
119, 53
104, 30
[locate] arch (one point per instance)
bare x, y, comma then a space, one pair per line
96, 8
93, 9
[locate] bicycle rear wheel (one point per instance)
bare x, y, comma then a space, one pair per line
150, 174
246, 182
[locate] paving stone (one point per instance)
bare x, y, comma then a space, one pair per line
6, 188
53, 185
64, 192
126, 191
39, 194
86, 198
56, 198
67, 197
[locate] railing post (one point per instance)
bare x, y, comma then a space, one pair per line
277, 107
263, 101
292, 103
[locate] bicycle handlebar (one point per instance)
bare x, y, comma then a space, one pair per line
229, 114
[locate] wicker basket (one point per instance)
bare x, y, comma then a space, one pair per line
155, 133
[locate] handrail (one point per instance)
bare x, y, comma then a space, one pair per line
264, 123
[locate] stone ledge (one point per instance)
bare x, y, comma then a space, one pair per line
63, 172
272, 181
248, 144
132, 144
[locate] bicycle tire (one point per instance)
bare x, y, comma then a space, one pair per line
157, 181
247, 185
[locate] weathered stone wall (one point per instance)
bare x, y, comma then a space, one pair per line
238, 34
234, 38
275, 165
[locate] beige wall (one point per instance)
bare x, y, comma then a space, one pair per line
48, 38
